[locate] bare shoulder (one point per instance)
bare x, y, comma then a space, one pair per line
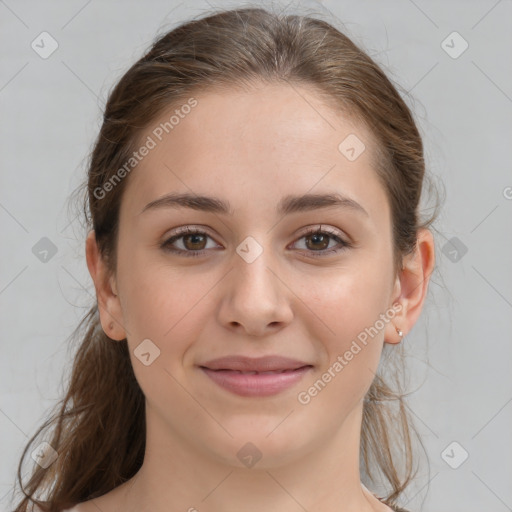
86, 506
105, 503
76, 508
108, 502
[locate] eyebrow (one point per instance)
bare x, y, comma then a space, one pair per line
288, 204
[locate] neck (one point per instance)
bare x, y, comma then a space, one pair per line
196, 478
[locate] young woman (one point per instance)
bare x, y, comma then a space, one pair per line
255, 244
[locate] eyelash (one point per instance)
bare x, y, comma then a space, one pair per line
192, 231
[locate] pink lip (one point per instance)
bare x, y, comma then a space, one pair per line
227, 373
257, 384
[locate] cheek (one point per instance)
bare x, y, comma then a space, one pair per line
170, 317
352, 343
152, 294
348, 301
164, 305
350, 307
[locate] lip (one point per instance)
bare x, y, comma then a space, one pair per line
227, 373
254, 364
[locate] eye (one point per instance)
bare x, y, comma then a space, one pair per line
318, 240
194, 242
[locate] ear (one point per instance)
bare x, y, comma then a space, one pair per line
411, 286
109, 305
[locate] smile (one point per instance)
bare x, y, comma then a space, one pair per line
256, 383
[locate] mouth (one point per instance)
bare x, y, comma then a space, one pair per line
255, 383
254, 372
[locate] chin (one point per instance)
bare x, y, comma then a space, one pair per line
262, 445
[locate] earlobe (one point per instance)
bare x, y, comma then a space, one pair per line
412, 286
394, 330
109, 305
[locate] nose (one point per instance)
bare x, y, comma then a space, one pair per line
256, 299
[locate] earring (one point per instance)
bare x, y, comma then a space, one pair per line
400, 333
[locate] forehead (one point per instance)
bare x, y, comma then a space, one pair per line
259, 144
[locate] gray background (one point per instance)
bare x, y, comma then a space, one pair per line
460, 350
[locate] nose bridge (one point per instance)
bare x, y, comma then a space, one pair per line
256, 297
253, 266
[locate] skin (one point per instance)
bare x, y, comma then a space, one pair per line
286, 302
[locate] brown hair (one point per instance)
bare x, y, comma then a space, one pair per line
98, 428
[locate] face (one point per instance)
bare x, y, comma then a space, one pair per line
302, 282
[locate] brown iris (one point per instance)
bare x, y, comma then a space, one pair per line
195, 240
320, 238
